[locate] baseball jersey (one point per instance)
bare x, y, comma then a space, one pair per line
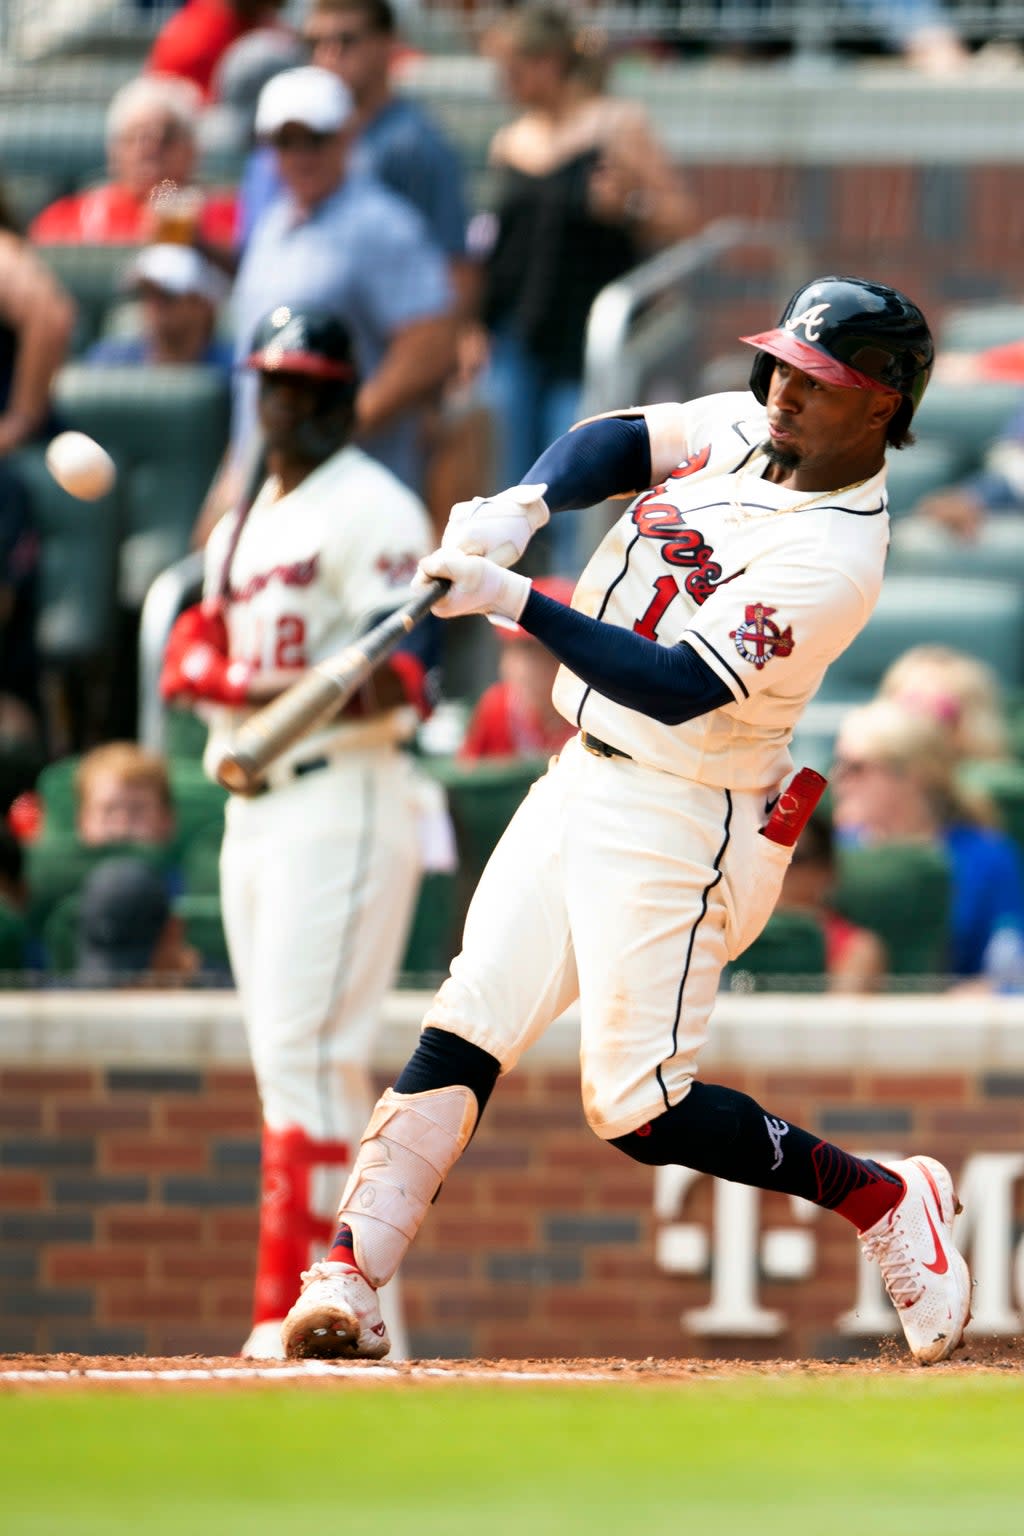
767, 584
312, 569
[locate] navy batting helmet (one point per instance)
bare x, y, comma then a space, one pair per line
306, 341
847, 331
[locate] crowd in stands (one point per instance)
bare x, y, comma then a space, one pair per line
468, 327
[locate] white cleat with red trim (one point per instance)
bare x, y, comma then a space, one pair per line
924, 1273
335, 1317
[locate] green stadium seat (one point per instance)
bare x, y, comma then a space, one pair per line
434, 935
966, 417
184, 734
205, 930
166, 429
92, 275
982, 617
921, 548
56, 868
788, 954
915, 472
54, 139
78, 565
973, 327
13, 940
902, 892
200, 859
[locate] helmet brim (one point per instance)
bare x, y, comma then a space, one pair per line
273, 359
784, 345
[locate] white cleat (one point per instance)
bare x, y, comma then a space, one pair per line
925, 1275
336, 1316
264, 1342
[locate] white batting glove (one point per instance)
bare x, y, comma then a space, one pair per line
498, 527
477, 585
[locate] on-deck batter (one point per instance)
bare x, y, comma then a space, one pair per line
320, 870
636, 869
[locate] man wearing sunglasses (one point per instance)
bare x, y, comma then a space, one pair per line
345, 244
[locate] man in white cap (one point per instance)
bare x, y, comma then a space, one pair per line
179, 293
348, 245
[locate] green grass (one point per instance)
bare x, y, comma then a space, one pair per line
927, 1456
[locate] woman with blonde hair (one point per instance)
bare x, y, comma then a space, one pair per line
894, 781
957, 691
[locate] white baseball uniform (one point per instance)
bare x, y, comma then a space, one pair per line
319, 873
630, 881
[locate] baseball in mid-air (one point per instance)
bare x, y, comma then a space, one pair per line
80, 466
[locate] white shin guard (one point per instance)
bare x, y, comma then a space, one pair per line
411, 1142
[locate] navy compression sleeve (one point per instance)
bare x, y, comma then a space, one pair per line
602, 459
671, 683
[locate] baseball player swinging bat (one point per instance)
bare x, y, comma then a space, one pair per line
318, 694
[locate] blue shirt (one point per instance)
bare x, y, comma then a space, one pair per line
364, 254
401, 147
133, 351
988, 892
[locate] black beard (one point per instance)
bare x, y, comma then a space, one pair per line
785, 458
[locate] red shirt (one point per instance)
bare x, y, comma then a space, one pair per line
500, 728
110, 215
193, 40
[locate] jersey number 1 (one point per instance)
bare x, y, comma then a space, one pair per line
665, 589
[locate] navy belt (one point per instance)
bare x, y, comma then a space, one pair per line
297, 771
601, 748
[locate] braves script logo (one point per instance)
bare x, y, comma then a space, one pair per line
681, 545
758, 639
810, 320
301, 573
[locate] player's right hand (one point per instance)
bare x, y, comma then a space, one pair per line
497, 527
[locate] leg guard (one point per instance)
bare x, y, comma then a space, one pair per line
288, 1225
409, 1146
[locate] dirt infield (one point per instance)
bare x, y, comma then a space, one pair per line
25, 1372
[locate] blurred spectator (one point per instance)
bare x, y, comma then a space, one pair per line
127, 931
123, 795
894, 782
957, 691
151, 159
36, 322
515, 716
584, 192
402, 146
998, 487
855, 958
192, 42
351, 247
396, 140
179, 293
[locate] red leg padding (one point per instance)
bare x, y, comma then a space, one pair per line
288, 1227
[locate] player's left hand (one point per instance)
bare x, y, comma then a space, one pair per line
499, 527
206, 674
477, 585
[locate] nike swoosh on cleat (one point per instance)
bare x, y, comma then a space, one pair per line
941, 1263
378, 1328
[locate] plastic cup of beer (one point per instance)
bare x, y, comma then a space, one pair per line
176, 211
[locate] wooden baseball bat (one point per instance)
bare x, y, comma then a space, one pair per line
318, 694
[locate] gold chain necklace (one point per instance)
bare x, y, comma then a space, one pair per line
738, 505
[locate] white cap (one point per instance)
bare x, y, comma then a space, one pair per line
310, 96
177, 269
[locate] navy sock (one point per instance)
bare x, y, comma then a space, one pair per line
722, 1132
443, 1060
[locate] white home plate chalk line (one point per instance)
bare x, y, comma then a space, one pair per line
292, 1372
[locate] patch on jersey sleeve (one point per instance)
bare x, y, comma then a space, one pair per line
758, 639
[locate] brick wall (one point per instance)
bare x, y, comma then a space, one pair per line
128, 1192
